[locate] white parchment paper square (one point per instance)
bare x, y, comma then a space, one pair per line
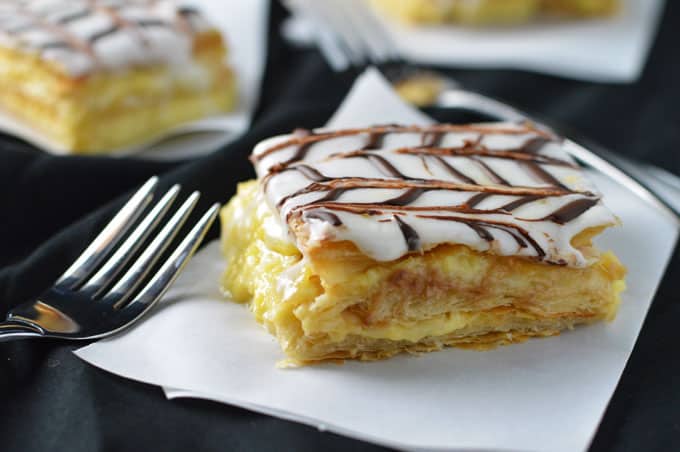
543, 395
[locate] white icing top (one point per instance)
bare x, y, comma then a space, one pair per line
503, 188
85, 36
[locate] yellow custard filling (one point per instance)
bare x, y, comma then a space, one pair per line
326, 307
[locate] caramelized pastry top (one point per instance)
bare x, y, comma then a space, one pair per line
85, 36
503, 188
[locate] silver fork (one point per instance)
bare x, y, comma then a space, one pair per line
99, 294
348, 33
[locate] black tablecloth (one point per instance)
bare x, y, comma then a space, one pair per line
50, 207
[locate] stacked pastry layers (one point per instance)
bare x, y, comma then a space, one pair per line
491, 11
364, 243
102, 74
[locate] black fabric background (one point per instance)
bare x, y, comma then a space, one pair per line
50, 207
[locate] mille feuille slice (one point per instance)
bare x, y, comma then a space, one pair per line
485, 12
96, 75
365, 243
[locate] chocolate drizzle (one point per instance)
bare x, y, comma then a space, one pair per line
520, 235
62, 38
527, 158
476, 199
54, 45
573, 210
494, 176
543, 175
535, 145
94, 37
385, 166
408, 197
475, 151
375, 140
148, 23
303, 148
324, 183
297, 140
509, 207
411, 237
331, 195
453, 171
187, 11
57, 24
481, 232
432, 139
73, 17
311, 173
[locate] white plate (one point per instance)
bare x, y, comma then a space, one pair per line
601, 50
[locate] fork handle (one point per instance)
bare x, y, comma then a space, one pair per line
13, 331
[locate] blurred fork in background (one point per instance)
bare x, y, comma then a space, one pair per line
349, 35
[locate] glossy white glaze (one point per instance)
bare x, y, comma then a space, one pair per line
523, 231
132, 32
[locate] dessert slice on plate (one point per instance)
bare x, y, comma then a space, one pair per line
364, 243
95, 75
478, 12
581, 8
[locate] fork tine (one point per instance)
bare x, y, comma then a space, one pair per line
122, 290
102, 245
332, 51
330, 47
351, 43
350, 27
129, 248
381, 34
155, 289
377, 41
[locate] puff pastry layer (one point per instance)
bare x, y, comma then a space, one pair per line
365, 243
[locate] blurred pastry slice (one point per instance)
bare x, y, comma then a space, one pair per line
92, 76
472, 12
416, 11
490, 12
480, 12
582, 8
